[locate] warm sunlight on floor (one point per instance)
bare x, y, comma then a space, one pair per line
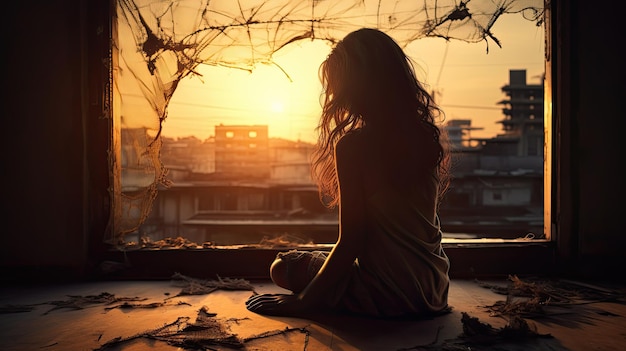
146, 315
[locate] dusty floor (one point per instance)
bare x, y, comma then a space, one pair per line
146, 315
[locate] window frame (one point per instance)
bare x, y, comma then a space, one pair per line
469, 258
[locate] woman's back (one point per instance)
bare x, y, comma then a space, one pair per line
402, 268
389, 164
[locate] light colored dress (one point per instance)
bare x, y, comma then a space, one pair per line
403, 270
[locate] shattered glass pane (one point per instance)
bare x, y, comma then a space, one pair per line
158, 43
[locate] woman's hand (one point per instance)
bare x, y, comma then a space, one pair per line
277, 305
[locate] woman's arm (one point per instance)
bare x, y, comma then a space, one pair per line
348, 156
338, 264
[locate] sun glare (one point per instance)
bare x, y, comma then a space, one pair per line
284, 95
278, 107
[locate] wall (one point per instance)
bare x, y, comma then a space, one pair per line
589, 106
50, 163
42, 141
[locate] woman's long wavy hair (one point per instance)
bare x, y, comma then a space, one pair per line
370, 85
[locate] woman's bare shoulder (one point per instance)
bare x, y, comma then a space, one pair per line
351, 142
349, 153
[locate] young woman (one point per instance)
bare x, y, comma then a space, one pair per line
381, 159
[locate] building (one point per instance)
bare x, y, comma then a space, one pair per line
242, 151
261, 188
188, 155
497, 186
523, 122
458, 132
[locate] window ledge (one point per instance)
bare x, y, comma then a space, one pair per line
453, 242
469, 258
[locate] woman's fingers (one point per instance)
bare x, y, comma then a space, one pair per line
277, 304
259, 301
261, 298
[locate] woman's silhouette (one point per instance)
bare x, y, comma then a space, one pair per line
381, 159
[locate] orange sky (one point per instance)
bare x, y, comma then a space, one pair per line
467, 78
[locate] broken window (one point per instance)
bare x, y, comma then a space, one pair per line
241, 178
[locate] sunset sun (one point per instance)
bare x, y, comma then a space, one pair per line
283, 94
278, 106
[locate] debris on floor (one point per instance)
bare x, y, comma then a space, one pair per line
166, 243
275, 241
532, 298
194, 286
127, 305
203, 334
74, 302
189, 285
478, 335
77, 302
12, 308
285, 241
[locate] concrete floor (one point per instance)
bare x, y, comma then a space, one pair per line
31, 320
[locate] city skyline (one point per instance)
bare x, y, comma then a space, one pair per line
286, 95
